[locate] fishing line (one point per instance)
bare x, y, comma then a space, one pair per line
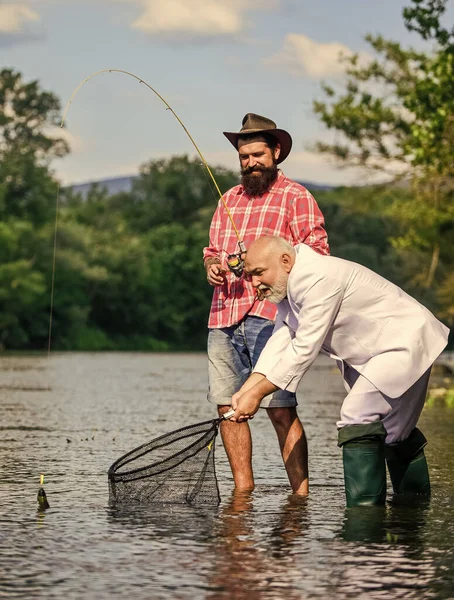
234, 261
168, 107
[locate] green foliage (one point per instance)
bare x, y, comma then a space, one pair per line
132, 264
27, 191
27, 113
397, 116
172, 190
410, 120
22, 288
128, 267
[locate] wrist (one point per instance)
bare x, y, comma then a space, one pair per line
212, 260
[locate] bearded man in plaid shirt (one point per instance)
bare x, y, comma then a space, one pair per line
240, 324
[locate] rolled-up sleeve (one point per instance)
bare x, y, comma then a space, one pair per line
320, 305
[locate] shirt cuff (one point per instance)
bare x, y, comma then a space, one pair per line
288, 382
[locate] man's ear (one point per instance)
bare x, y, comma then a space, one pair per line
286, 261
277, 151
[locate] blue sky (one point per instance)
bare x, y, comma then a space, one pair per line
212, 60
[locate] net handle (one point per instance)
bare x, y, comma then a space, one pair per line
226, 416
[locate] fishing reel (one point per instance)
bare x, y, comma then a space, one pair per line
235, 262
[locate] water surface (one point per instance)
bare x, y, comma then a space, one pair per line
72, 415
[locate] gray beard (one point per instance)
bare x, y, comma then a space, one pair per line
278, 292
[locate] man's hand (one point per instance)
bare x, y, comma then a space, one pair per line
246, 404
215, 272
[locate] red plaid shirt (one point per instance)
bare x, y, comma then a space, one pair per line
287, 210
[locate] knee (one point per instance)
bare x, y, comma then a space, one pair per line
222, 409
282, 417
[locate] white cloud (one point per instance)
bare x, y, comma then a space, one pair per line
196, 18
301, 56
14, 16
169, 18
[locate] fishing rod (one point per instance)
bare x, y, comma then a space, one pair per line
235, 261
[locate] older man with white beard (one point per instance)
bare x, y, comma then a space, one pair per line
384, 342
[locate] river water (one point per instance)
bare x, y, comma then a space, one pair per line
71, 415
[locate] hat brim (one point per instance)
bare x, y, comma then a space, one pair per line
282, 136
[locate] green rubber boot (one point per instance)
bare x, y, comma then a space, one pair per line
407, 465
364, 464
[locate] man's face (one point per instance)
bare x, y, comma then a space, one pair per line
268, 276
258, 165
256, 154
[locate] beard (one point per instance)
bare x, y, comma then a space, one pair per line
278, 291
258, 180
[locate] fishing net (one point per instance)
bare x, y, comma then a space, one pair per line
177, 467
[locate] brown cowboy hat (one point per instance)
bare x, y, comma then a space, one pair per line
253, 123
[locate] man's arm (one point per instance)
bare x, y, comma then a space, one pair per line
256, 387
276, 345
307, 223
320, 302
320, 298
212, 263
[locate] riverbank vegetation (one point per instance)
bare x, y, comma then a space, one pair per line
128, 267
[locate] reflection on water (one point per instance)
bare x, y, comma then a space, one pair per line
245, 564
71, 416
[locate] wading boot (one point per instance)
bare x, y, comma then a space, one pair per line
363, 455
407, 465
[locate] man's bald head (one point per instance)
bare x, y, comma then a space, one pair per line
269, 261
267, 247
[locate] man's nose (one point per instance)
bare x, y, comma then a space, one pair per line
255, 281
252, 161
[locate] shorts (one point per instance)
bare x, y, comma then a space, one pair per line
232, 354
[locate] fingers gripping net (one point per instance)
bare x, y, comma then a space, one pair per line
177, 467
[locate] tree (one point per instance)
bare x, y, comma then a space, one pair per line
26, 112
27, 116
409, 124
23, 298
174, 190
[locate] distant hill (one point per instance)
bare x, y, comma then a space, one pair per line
113, 186
124, 184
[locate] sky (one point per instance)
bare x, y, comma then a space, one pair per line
212, 60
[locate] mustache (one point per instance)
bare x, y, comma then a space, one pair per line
254, 169
260, 291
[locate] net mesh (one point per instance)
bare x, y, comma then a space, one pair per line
177, 467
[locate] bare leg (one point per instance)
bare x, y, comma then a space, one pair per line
293, 444
238, 446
